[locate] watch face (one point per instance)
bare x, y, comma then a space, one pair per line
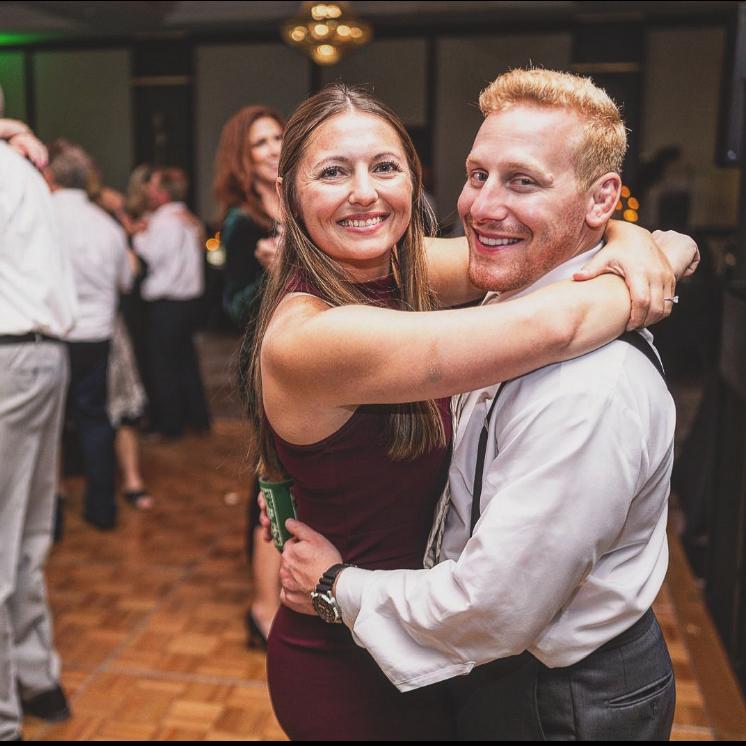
325, 607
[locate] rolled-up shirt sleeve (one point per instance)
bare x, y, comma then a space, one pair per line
554, 499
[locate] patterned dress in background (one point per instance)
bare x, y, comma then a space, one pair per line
126, 395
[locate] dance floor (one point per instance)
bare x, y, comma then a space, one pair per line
149, 618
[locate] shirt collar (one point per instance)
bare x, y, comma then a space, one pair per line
564, 271
79, 194
169, 207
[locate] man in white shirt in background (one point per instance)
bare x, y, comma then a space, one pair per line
97, 246
546, 605
172, 247
37, 309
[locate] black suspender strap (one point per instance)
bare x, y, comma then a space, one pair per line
638, 341
633, 338
481, 450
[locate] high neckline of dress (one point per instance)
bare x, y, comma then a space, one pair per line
380, 289
386, 281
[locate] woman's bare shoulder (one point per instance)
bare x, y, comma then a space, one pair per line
292, 374
285, 326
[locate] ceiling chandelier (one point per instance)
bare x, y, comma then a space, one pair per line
326, 31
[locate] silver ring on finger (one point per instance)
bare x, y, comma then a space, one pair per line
675, 299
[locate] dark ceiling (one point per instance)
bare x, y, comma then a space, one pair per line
39, 21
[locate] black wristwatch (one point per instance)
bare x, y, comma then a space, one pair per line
322, 597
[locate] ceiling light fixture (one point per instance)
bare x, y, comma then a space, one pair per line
326, 31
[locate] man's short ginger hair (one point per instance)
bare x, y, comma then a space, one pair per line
603, 143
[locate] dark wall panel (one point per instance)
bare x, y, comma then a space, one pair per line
85, 97
13, 82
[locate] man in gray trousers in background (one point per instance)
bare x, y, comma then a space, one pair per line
37, 307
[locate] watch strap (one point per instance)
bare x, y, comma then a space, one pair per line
326, 581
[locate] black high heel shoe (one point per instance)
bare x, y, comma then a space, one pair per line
255, 639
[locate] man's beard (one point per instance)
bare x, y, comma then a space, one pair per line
515, 271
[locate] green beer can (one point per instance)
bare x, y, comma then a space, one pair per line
280, 506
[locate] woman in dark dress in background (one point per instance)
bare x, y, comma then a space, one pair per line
349, 372
244, 188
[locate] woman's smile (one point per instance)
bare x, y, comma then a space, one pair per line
364, 223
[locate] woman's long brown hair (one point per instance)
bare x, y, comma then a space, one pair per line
415, 428
233, 184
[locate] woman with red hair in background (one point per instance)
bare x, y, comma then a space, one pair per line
244, 187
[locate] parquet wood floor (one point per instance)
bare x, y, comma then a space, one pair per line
149, 618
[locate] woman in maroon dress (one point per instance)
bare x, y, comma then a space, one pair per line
349, 386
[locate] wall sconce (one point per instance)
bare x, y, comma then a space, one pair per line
326, 31
628, 206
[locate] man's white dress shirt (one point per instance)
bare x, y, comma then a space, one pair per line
570, 549
172, 247
97, 247
37, 293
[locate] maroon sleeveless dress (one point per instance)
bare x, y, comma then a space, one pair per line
378, 513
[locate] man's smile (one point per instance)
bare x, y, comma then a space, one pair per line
495, 241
